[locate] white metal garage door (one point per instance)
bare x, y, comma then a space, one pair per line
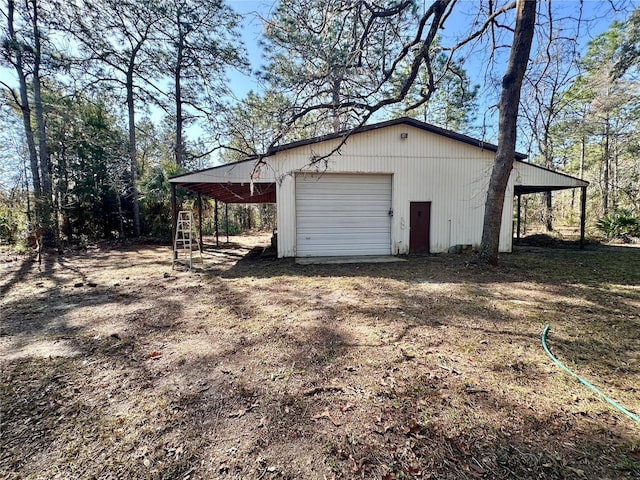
343, 214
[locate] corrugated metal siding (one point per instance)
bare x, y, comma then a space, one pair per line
506, 229
425, 167
342, 214
234, 172
452, 175
532, 175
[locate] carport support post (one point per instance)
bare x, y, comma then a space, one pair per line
200, 221
518, 219
174, 218
583, 214
215, 219
226, 219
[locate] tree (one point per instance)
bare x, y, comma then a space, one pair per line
610, 109
200, 44
507, 123
330, 58
89, 166
545, 98
14, 179
628, 54
22, 49
255, 120
115, 39
599, 126
453, 105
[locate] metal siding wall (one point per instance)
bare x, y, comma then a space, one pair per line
286, 211
425, 167
506, 229
236, 172
527, 174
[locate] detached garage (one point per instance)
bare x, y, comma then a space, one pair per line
391, 188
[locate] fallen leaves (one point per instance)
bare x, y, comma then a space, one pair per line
319, 389
340, 395
242, 411
329, 416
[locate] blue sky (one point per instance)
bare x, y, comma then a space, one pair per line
457, 24
598, 10
251, 10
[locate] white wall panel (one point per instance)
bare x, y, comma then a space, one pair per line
425, 167
532, 175
240, 172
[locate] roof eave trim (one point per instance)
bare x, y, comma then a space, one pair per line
398, 121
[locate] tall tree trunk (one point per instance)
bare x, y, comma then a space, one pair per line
48, 222
605, 170
548, 163
548, 211
583, 152
26, 191
507, 120
133, 164
25, 109
615, 183
121, 235
335, 100
63, 194
179, 147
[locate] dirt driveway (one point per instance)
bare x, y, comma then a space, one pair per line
114, 365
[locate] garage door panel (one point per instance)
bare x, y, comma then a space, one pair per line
342, 178
318, 188
338, 211
343, 214
310, 224
370, 203
333, 250
334, 238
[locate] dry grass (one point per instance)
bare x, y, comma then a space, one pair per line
115, 366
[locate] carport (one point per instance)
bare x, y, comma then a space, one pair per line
227, 184
537, 179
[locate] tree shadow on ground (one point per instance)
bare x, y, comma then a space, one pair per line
322, 411
399, 379
17, 276
592, 266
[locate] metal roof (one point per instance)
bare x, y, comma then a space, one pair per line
396, 121
232, 183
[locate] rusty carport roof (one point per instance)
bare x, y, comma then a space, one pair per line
231, 183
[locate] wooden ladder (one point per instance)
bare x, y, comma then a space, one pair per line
184, 241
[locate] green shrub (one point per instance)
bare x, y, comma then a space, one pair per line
621, 224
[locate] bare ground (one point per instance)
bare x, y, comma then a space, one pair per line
115, 366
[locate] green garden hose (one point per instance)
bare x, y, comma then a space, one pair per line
582, 380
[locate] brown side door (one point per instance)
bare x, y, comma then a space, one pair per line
419, 221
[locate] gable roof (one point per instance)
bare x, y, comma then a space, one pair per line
427, 127
236, 182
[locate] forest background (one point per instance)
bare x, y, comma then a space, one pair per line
103, 101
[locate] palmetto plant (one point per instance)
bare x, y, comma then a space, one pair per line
621, 224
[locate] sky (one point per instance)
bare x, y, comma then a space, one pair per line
457, 24
598, 11
251, 10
